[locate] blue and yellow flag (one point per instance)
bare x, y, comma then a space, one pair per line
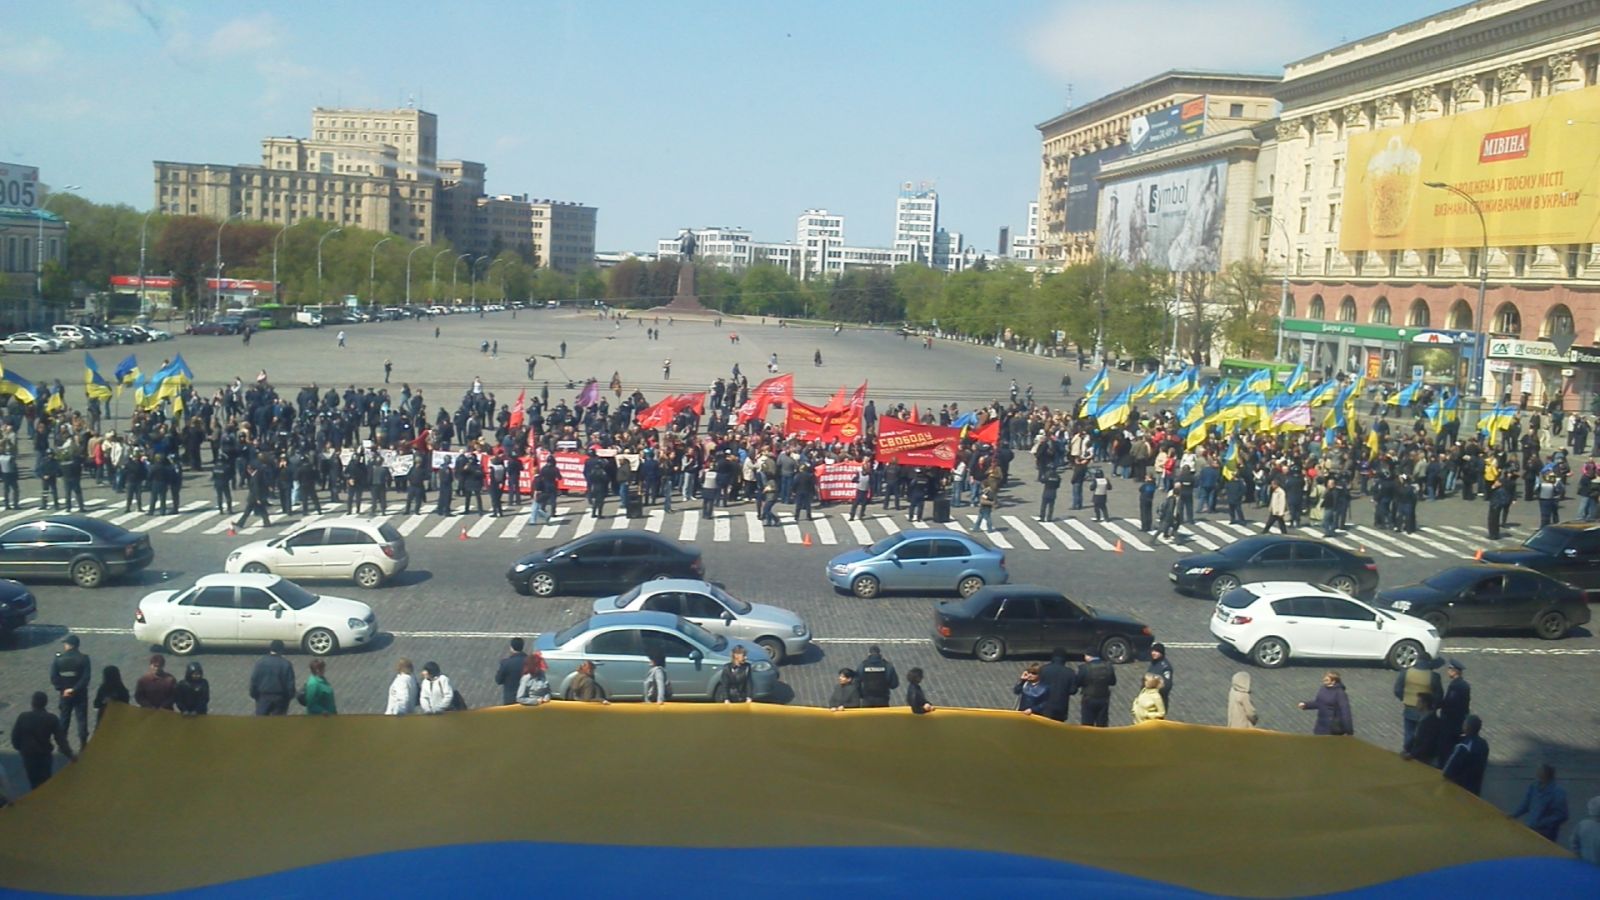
1096, 386
1230, 460
1407, 395
1259, 380
1498, 420
1116, 410
127, 370
172, 378
1145, 386
1322, 394
14, 385
55, 403
1297, 379
94, 384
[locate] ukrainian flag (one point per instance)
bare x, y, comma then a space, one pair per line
127, 370
1230, 460
173, 378
1116, 411
144, 391
1297, 379
1247, 408
94, 384
1323, 393
1096, 386
1407, 394
1374, 444
1498, 420
14, 385
1259, 380
1146, 386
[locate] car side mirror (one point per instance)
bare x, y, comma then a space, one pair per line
727, 617
1569, 552
572, 556
1379, 620
276, 607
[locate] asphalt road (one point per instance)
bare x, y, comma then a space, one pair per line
455, 607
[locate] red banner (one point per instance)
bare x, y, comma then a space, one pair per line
661, 414
837, 481
815, 423
911, 444
988, 434
570, 466
776, 388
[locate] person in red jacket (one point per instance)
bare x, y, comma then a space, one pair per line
156, 689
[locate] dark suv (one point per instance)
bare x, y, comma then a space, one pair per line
1567, 552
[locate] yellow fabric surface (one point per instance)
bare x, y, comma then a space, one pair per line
162, 803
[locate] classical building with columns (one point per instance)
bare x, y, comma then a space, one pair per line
1387, 150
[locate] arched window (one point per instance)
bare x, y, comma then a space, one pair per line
1460, 316
1316, 311
1557, 321
1289, 307
1347, 309
1507, 320
1380, 311
1418, 317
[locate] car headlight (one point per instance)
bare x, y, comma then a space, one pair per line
1198, 570
838, 569
762, 666
1433, 632
355, 624
799, 631
234, 555
522, 567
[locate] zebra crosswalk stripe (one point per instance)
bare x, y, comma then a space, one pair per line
1213, 530
791, 528
1033, 540
691, 523
410, 524
586, 524
191, 522
440, 529
619, 521
863, 537
1406, 542
825, 531
554, 523
1127, 538
890, 529
126, 517
1088, 534
655, 520
721, 527
484, 523
1061, 536
1342, 543
1379, 539
513, 529
995, 537
752, 522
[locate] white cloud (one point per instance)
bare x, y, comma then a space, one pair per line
120, 15
242, 37
1100, 47
21, 55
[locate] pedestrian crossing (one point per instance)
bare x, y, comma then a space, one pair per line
1013, 531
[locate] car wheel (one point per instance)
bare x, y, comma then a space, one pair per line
38, 350
320, 642
1222, 584
1438, 620
1344, 584
774, 648
1270, 653
541, 584
255, 568
368, 576
865, 586
1404, 654
181, 643
88, 573
1117, 650
1551, 625
989, 649
969, 585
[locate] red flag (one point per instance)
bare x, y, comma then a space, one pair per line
858, 400
517, 412
776, 388
917, 445
988, 434
818, 423
837, 402
915, 416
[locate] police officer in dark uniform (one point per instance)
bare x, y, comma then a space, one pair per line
378, 484
1454, 708
878, 678
305, 473
1162, 667
69, 675
416, 485
222, 483
1096, 678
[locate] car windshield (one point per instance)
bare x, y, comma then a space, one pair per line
293, 595
1546, 541
1452, 580
885, 545
624, 599
701, 636
734, 603
1246, 547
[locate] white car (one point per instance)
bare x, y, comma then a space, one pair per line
437, 310
29, 342
1270, 621
778, 631
347, 549
251, 611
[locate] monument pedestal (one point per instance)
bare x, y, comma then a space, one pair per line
685, 300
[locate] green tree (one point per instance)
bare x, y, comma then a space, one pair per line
1136, 310
922, 289
1069, 300
769, 291
1248, 300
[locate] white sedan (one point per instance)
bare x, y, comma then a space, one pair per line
1270, 621
29, 342
251, 611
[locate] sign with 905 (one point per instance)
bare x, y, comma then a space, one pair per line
19, 186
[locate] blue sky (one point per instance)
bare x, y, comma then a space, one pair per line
663, 115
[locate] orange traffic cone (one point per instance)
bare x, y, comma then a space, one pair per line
232, 532
1118, 548
463, 535
1478, 555
805, 539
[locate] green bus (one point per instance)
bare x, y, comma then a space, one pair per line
1237, 369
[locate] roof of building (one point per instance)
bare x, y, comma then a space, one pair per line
17, 212
1144, 91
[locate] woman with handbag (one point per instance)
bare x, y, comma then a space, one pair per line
1333, 707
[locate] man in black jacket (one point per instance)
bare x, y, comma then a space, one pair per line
509, 674
1060, 683
878, 678
1096, 677
1162, 667
1454, 708
256, 498
272, 682
69, 675
31, 737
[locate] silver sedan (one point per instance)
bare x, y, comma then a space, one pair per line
780, 632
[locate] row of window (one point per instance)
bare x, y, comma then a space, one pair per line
1507, 319
1571, 255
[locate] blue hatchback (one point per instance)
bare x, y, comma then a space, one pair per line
921, 561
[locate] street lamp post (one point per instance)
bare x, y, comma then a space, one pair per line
454, 267
325, 236
218, 293
408, 271
281, 232
1283, 294
433, 280
38, 247
143, 311
1478, 347
472, 277
372, 267
502, 281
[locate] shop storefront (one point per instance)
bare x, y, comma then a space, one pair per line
1535, 371
1383, 353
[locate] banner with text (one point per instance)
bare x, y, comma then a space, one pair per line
837, 481
819, 423
911, 444
1530, 166
1171, 219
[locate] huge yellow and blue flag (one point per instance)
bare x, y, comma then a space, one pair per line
94, 384
173, 378
1097, 385
1146, 386
1181, 384
1259, 380
1297, 379
1407, 395
1322, 394
1498, 420
14, 385
1116, 410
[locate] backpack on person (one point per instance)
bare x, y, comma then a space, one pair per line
458, 701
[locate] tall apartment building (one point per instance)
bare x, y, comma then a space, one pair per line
916, 223
379, 170
817, 232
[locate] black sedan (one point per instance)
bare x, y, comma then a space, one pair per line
1022, 620
17, 606
1567, 552
1463, 598
607, 562
1275, 558
85, 550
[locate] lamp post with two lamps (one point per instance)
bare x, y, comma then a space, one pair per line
1478, 346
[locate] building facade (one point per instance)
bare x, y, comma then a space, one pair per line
1386, 150
379, 170
1154, 113
29, 239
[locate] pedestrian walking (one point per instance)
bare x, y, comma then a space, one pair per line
657, 686
1421, 677
317, 695
272, 682
69, 675
388, 366
156, 688
32, 735
341, 339
986, 504
1277, 509
403, 691
1047, 498
256, 498
193, 696
1241, 709
436, 695
1468, 760
1147, 704
858, 506
1096, 678
878, 678
508, 674
1032, 693
1161, 667
1332, 706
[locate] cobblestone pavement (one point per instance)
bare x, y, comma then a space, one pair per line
455, 607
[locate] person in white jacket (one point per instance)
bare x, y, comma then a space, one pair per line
403, 691
436, 694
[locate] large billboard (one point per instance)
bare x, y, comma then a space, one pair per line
1172, 219
19, 186
1531, 167
1177, 123
1083, 193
